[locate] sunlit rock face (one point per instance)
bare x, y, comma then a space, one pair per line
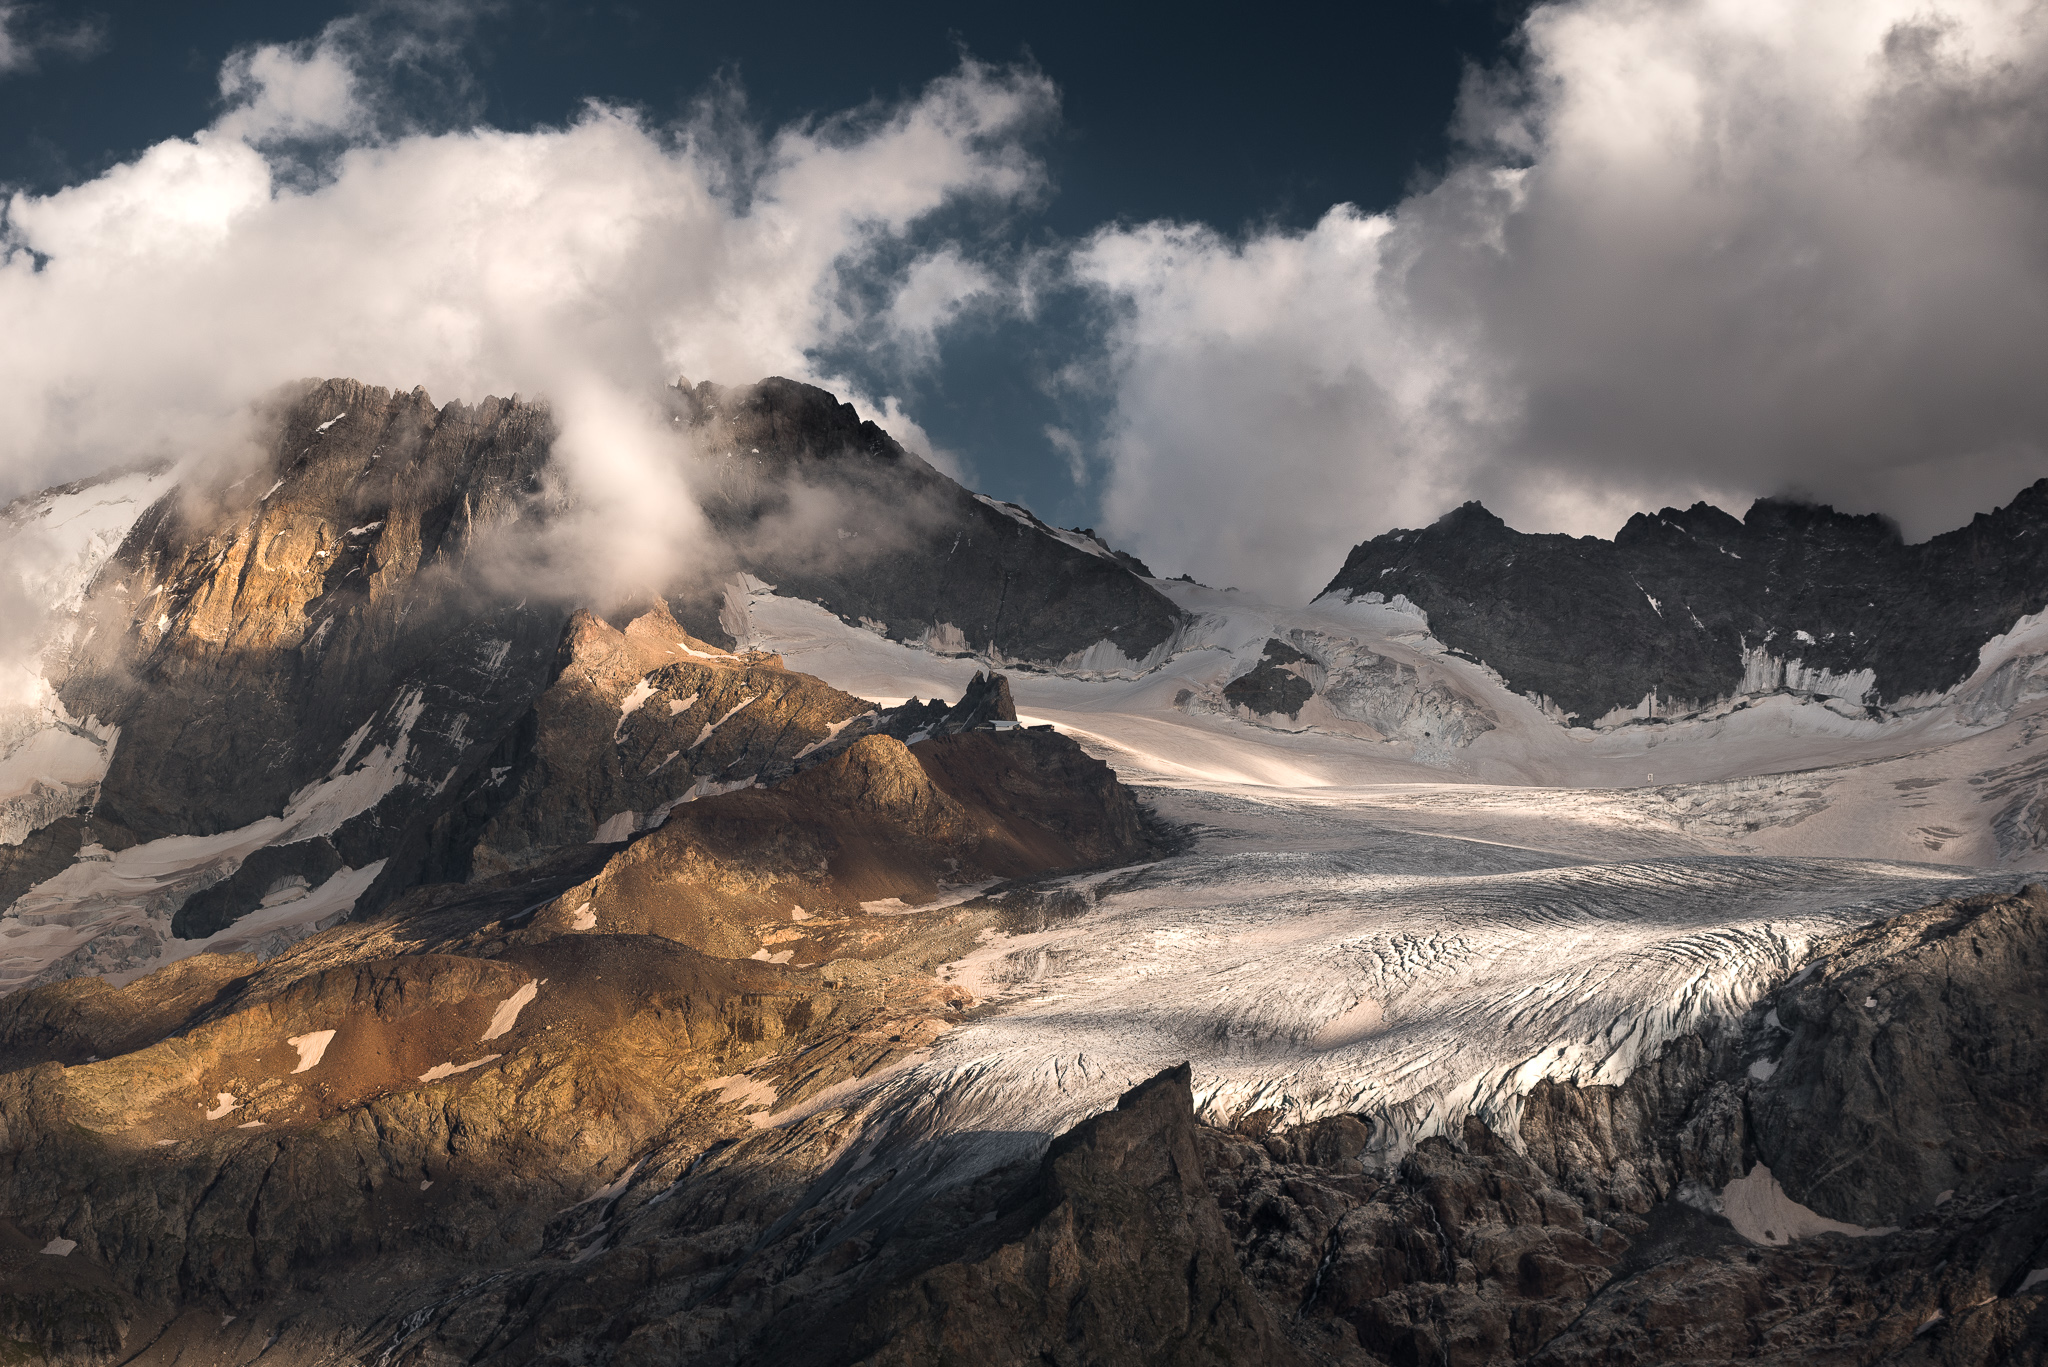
361, 662
1684, 607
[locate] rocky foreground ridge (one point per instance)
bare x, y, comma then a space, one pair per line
1686, 606
480, 1130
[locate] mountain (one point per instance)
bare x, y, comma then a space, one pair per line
915, 934
315, 660
1683, 608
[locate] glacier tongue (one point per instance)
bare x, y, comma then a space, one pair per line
1420, 928
1319, 958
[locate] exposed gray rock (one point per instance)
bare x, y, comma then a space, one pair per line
830, 508
1669, 606
1269, 687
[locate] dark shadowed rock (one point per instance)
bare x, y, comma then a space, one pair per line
1669, 606
830, 508
1114, 1254
1916, 1061
1270, 687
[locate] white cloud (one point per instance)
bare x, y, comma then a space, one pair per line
302, 91
932, 293
590, 263
1714, 249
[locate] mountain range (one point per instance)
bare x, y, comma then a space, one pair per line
909, 932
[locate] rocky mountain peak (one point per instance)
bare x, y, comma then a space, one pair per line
878, 776
1684, 608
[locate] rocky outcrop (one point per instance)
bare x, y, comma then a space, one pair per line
245, 631
1687, 606
1269, 687
635, 722
1113, 1253
1923, 1043
348, 670
830, 508
800, 872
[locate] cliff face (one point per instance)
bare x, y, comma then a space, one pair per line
243, 633
1693, 605
233, 1152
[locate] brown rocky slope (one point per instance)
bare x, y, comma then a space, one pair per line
237, 1151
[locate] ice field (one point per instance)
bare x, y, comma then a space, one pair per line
1377, 925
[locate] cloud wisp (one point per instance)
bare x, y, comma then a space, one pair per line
1712, 250
27, 34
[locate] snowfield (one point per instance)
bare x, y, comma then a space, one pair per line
1370, 921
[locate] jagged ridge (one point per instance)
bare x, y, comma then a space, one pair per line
1669, 606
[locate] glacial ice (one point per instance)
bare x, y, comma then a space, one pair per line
1416, 932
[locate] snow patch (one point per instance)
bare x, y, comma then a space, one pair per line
607, 1191
678, 706
507, 1014
223, 1103
61, 1248
445, 1070
703, 787
710, 727
832, 733
642, 691
747, 1093
312, 1048
1763, 1214
616, 828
